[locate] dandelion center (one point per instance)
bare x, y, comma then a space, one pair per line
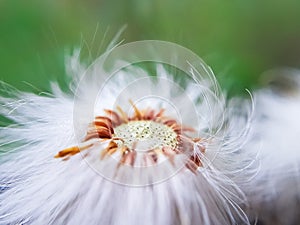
144, 135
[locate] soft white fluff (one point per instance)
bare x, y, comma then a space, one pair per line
36, 188
274, 193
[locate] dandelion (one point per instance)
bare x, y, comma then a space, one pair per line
274, 192
130, 148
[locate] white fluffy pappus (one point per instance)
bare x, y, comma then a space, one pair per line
199, 183
274, 194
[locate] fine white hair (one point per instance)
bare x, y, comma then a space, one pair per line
37, 188
274, 193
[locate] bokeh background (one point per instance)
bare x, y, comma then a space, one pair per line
239, 39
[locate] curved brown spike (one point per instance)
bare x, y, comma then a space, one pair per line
160, 113
91, 135
101, 124
153, 155
138, 115
170, 122
124, 116
68, 151
99, 129
176, 128
149, 114
128, 157
192, 166
115, 118
110, 149
100, 132
104, 121
105, 118
197, 139
104, 132
196, 160
143, 113
65, 153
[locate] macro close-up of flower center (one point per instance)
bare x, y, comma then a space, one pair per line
150, 112
127, 145
151, 135
143, 139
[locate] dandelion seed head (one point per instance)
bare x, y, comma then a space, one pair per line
88, 157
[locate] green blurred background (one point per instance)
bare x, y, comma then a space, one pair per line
239, 39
